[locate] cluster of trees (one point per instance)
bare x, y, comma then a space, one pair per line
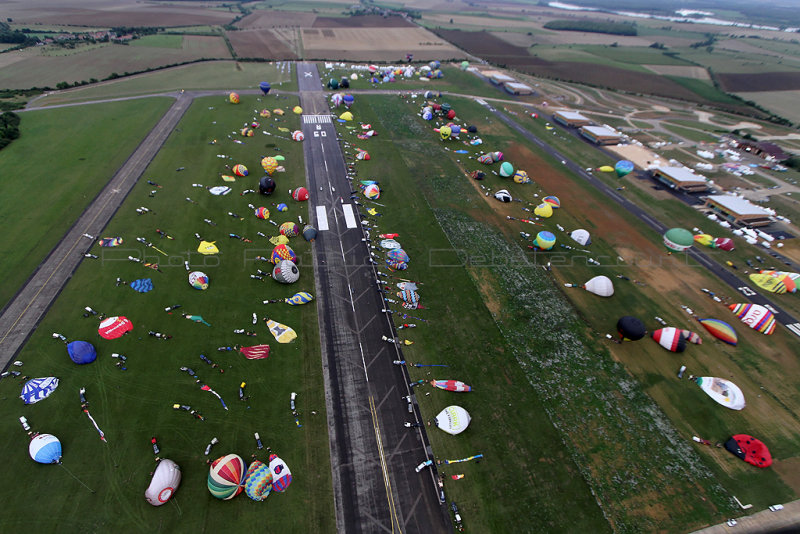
593, 26
9, 128
7, 35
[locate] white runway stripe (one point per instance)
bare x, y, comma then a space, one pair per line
322, 219
316, 119
349, 216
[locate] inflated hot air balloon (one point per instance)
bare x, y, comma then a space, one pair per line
282, 252
453, 420
553, 200
265, 87
372, 192
266, 186
724, 243
602, 286
297, 135
545, 210
749, 449
464, 65
297, 110
348, 100
722, 391
703, 239
769, 283
198, 280
670, 338
581, 237
309, 233
346, 116
262, 212
720, 330
226, 477
282, 207
678, 239
521, 177
755, 316
265, 113
164, 484
451, 114
623, 167
300, 194
45, 449
114, 327
545, 240
497, 156
289, 229
207, 248
451, 385
444, 132
506, 169
281, 475
302, 297
258, 481
455, 130
286, 272
398, 254
239, 170
630, 328
486, 159
233, 98
337, 99
37, 389
787, 278
81, 352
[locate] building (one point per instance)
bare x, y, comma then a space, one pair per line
601, 135
516, 88
497, 77
570, 118
763, 149
681, 178
738, 210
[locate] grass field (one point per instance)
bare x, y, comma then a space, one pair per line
159, 41
225, 75
50, 183
782, 103
131, 406
690, 133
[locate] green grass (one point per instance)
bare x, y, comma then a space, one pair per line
705, 89
199, 76
133, 405
159, 41
690, 133
50, 183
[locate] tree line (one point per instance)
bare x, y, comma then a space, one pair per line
592, 26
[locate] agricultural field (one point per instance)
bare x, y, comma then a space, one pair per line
264, 43
376, 44
782, 103
100, 486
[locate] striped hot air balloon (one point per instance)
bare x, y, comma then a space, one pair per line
226, 477
451, 385
670, 338
720, 330
281, 475
297, 299
553, 200
239, 170
755, 316
770, 283
261, 212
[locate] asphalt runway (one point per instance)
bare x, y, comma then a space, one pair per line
373, 455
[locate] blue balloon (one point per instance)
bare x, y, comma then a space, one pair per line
265, 87
45, 449
37, 389
81, 352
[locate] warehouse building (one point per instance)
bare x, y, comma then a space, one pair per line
738, 210
601, 135
570, 118
681, 178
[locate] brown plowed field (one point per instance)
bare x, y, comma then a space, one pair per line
767, 81
365, 21
276, 19
260, 44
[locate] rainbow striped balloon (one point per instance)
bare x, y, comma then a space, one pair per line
755, 316
226, 477
720, 330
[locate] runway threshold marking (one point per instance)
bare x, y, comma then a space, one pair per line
349, 216
386, 481
322, 219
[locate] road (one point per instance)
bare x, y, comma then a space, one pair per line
373, 455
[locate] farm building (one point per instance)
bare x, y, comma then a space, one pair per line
681, 178
601, 135
497, 77
571, 118
763, 149
738, 210
516, 88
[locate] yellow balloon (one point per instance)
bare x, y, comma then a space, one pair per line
445, 132
545, 210
346, 116
297, 110
703, 239
606, 168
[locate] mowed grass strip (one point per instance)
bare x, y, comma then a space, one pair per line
134, 405
61, 161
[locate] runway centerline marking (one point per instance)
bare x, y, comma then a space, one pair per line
349, 217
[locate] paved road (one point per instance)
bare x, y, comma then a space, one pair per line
373, 455
22, 314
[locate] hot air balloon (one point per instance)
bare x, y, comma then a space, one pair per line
297, 135
503, 195
37, 389
282, 207
207, 247
309, 233
720, 330
398, 254
521, 177
453, 420
262, 212
623, 167
266, 186
278, 111
770, 283
337, 99
45, 449
348, 100
247, 132
455, 130
372, 192
581, 237
220, 190
389, 244
346, 116
233, 98
678, 239
444, 132
286, 272
787, 278
198, 280
258, 481
226, 477
703, 239
396, 265
289, 229
81, 352
601, 286
544, 210
333, 84
506, 169
265, 87
281, 332
297, 110
239, 170
265, 114
114, 327
722, 391
464, 65
451, 114
630, 328
553, 201
755, 316
451, 385
282, 252
302, 297
497, 156
749, 449
281, 475
724, 243
362, 155
486, 159
670, 338
606, 168
300, 194
691, 337
164, 484
545, 240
